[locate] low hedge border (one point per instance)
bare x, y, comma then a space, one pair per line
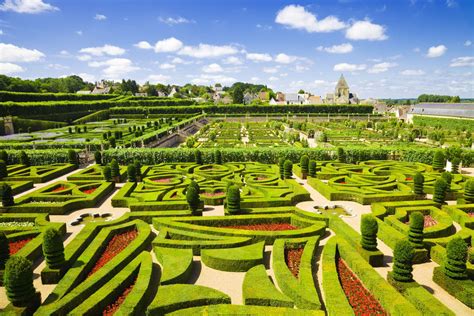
238, 259
227, 309
94, 173
176, 264
459, 214
38, 174
383, 209
19, 186
463, 290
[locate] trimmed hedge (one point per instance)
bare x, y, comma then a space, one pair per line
177, 264
463, 290
228, 309
239, 259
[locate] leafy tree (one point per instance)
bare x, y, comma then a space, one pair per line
115, 170
198, 157
218, 157
341, 155
469, 191
238, 95
192, 196
439, 160
312, 168
288, 169
369, 228
415, 234
18, 281
418, 181
233, 199
7, 195
107, 173
456, 258
53, 248
3, 169
98, 157
440, 187
403, 256
24, 159
304, 164
132, 173
4, 250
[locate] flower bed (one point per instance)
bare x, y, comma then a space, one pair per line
429, 221
59, 189
293, 259
267, 227
362, 302
17, 224
110, 309
213, 194
89, 191
118, 243
15, 246
163, 180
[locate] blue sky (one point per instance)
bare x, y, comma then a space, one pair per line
391, 48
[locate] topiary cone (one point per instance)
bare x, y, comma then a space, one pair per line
233, 199
456, 258
53, 249
418, 181
369, 228
403, 255
469, 191
415, 234
18, 281
312, 168
4, 250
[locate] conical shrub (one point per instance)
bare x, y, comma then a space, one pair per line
53, 248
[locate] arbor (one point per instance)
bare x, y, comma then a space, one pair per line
18, 281
469, 191
341, 155
418, 181
415, 234
198, 157
369, 228
3, 169
7, 195
98, 157
218, 157
132, 173
440, 188
192, 196
233, 199
4, 250
53, 248
288, 169
456, 258
403, 255
24, 159
312, 168
304, 164
439, 160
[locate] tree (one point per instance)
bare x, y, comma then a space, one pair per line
3, 169
132, 173
455, 165
198, 157
281, 167
403, 256
7, 195
18, 281
238, 95
107, 173
456, 258
304, 164
4, 250
369, 228
323, 137
440, 187
418, 181
439, 160
301, 91
72, 157
233, 199
53, 248
288, 169
4, 156
24, 159
448, 177
341, 155
218, 157
469, 191
98, 157
415, 234
138, 169
112, 142
192, 196
115, 170
312, 168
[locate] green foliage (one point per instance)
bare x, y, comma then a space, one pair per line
73, 158
440, 189
107, 173
369, 229
4, 250
4, 156
53, 248
428, 98
7, 195
233, 199
304, 164
341, 155
18, 281
455, 165
112, 142
24, 159
198, 157
192, 196
288, 166
218, 157
138, 169
456, 258
439, 160
3, 169
415, 234
238, 95
469, 191
98, 157
114, 169
312, 168
403, 255
281, 167
448, 177
418, 181
132, 173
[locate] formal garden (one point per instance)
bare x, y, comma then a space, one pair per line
246, 217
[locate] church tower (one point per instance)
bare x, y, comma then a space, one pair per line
342, 89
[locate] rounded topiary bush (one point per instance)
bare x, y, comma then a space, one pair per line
456, 258
439, 160
304, 164
369, 228
4, 250
403, 255
218, 157
192, 196
281, 167
24, 159
53, 248
469, 191
415, 234
107, 173
115, 170
288, 173
98, 157
132, 173
455, 165
341, 155
18, 281
440, 187
312, 168
73, 159
198, 157
7, 195
448, 177
233, 199
418, 181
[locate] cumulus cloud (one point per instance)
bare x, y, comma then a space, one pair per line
232, 60
297, 17
158, 78
168, 45
337, 49
436, 51
270, 70
381, 67
166, 66
143, 45
366, 30
206, 79
87, 77
12, 53
100, 17
115, 68
107, 49
27, 6
173, 21
285, 59
412, 72
208, 51
466, 61
212, 68
349, 67
9, 68
258, 57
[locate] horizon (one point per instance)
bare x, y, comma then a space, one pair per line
390, 49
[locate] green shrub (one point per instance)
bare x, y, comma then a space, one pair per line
198, 157
448, 177
281, 167
418, 181
469, 191
107, 173
72, 157
455, 165
440, 188
218, 157
4, 250
138, 169
115, 170
98, 157
4, 156
368, 229
288, 173
312, 168
7, 195
403, 255
18, 281
439, 160
3, 169
304, 164
456, 258
192, 196
132, 173
341, 155
24, 159
112, 142
233, 199
53, 248
415, 234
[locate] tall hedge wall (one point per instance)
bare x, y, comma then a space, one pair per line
6, 96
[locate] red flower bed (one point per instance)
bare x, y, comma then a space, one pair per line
110, 309
293, 259
362, 302
261, 178
163, 180
59, 189
89, 191
470, 214
428, 221
118, 243
408, 179
213, 194
15, 246
268, 227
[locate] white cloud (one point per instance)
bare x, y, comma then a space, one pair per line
100, 17
1, 32
158, 78
207, 51
58, 66
285, 59
412, 72
12, 53
436, 51
115, 68
79, 33
177, 60
107, 49
27, 6
258, 57
273, 78
466, 61
84, 57
9, 68
301, 68
270, 70
212, 68
320, 83
381, 67
366, 30
143, 45
337, 49
349, 67
167, 66
255, 79
467, 43
232, 60
173, 21
210, 79
451, 3
168, 45
297, 17
87, 77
